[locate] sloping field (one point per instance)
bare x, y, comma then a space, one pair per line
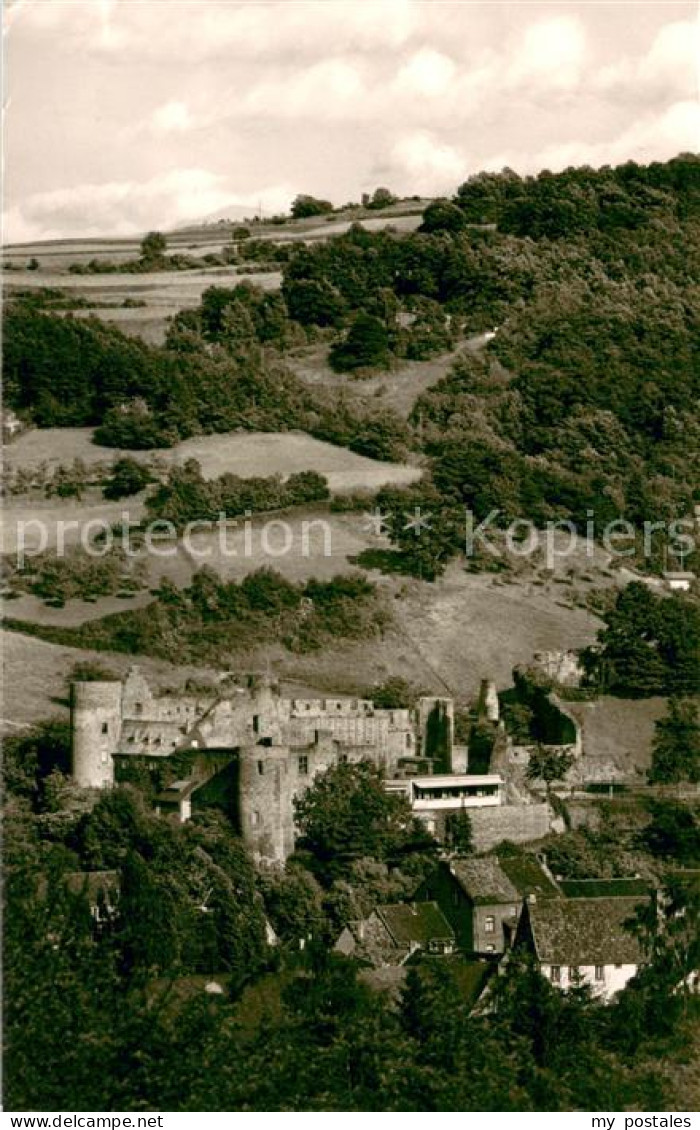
472, 626
239, 453
164, 293
299, 545
617, 735
448, 636
35, 673
398, 389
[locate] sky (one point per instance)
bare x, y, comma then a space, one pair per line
124, 115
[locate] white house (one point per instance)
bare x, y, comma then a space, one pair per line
583, 940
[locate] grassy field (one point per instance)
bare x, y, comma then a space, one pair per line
200, 239
398, 389
447, 637
163, 292
239, 453
617, 735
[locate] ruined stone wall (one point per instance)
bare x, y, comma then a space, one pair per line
519, 823
563, 667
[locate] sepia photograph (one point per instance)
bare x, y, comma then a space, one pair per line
351, 561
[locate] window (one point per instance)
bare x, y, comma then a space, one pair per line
256, 723
573, 972
303, 765
490, 924
261, 768
343, 759
555, 974
409, 741
138, 708
491, 948
599, 973
105, 727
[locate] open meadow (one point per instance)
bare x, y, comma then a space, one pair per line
246, 454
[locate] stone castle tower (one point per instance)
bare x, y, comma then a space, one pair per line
96, 720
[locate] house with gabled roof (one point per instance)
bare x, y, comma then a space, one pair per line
481, 897
583, 940
393, 933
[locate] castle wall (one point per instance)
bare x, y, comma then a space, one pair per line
436, 731
519, 823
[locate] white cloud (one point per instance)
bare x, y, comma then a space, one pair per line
428, 164
552, 55
324, 96
670, 67
428, 73
172, 116
132, 207
656, 137
332, 88
200, 30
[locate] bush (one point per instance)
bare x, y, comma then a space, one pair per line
128, 477
365, 346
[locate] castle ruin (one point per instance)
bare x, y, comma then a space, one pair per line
250, 750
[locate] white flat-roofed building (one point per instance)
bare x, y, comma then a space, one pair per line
450, 792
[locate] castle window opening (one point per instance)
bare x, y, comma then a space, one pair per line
105, 727
343, 759
490, 924
138, 708
256, 723
303, 766
599, 973
261, 768
555, 974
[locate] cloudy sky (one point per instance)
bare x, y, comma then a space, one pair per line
123, 115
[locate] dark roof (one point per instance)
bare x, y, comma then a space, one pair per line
585, 931
177, 791
484, 880
604, 888
419, 922
526, 873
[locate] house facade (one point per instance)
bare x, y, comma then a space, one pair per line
481, 897
583, 940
